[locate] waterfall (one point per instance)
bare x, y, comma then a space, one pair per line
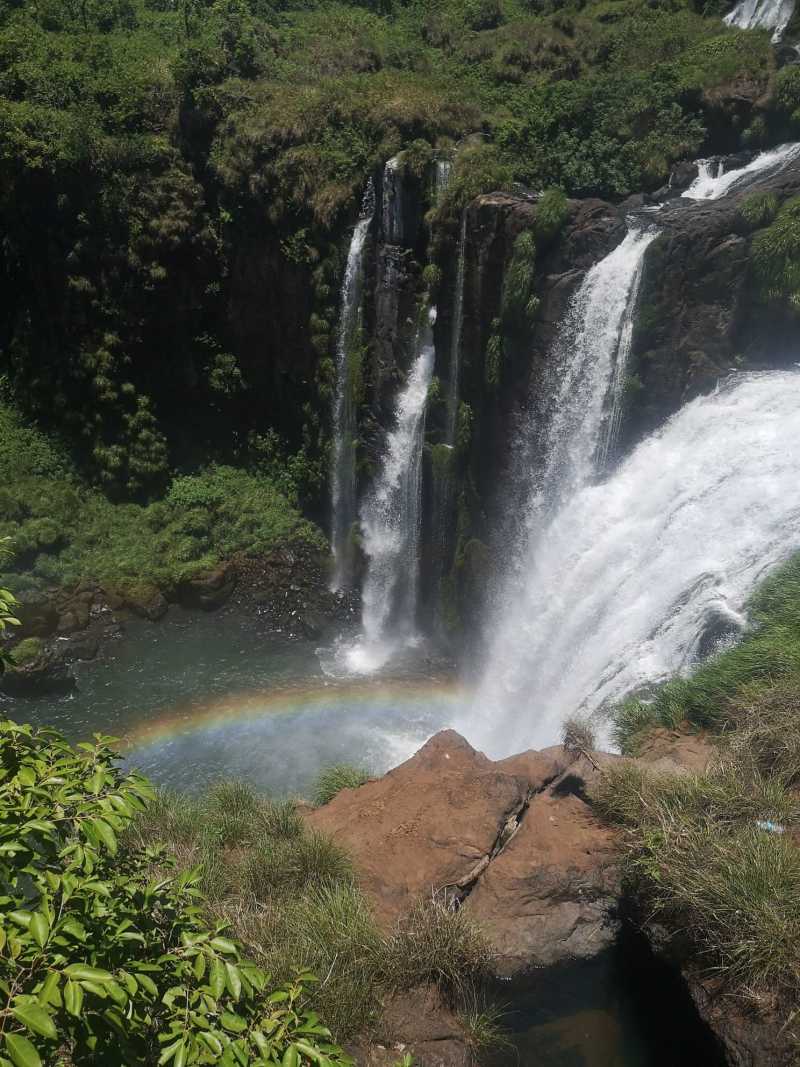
458, 328
708, 186
390, 523
632, 570
585, 376
762, 15
392, 202
444, 168
343, 471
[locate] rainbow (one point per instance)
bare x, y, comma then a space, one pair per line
324, 696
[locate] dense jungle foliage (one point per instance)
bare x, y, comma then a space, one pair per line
177, 178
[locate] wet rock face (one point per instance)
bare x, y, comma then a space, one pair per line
697, 318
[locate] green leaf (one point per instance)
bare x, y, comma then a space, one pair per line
199, 966
233, 981
234, 1023
37, 1020
106, 834
82, 972
21, 1051
216, 979
290, 1057
222, 944
73, 998
39, 929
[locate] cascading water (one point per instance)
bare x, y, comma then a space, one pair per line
458, 329
444, 168
586, 372
392, 203
343, 470
762, 15
621, 590
712, 183
390, 524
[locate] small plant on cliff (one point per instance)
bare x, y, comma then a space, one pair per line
105, 953
334, 779
552, 212
578, 736
519, 302
759, 209
776, 256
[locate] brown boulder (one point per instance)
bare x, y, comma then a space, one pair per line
432, 822
38, 615
552, 893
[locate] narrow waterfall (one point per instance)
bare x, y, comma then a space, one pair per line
343, 469
392, 202
585, 376
444, 168
712, 186
390, 523
632, 571
762, 15
458, 329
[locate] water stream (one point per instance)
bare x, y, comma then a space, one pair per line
343, 466
390, 525
712, 182
762, 15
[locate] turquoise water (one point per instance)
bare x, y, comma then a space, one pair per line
199, 697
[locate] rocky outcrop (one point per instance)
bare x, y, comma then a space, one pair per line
514, 843
430, 825
552, 893
210, 589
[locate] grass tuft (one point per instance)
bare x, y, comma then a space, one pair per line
333, 780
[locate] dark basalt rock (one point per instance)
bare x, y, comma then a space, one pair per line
697, 319
44, 674
209, 590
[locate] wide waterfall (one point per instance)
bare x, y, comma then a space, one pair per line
762, 15
390, 524
632, 571
712, 182
343, 468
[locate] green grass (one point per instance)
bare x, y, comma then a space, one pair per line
290, 896
768, 654
332, 780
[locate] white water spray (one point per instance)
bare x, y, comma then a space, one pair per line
343, 471
620, 591
390, 523
762, 15
712, 183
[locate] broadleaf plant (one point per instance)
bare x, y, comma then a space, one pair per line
105, 951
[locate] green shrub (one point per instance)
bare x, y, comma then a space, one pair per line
29, 649
552, 211
102, 960
776, 256
519, 303
759, 209
333, 780
435, 943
